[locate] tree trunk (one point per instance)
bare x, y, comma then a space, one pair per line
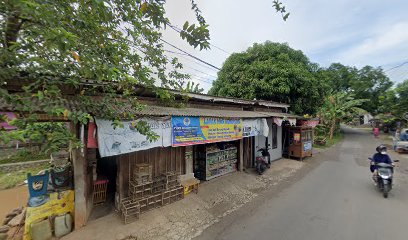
332, 128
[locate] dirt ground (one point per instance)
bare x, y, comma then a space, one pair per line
187, 218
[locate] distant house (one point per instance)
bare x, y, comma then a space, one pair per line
366, 119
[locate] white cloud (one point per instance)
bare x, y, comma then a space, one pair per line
385, 46
364, 32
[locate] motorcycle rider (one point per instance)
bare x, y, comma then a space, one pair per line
380, 157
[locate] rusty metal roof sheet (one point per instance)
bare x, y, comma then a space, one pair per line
152, 110
198, 112
276, 114
211, 98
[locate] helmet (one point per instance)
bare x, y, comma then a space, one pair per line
381, 148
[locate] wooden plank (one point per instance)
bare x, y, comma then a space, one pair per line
241, 155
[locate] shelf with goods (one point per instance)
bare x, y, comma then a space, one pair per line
216, 159
220, 161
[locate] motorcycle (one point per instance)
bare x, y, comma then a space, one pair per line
262, 160
384, 176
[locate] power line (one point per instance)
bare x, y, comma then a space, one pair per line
188, 54
187, 66
179, 30
182, 55
400, 65
199, 78
184, 65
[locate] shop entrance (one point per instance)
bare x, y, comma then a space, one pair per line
216, 159
106, 172
249, 152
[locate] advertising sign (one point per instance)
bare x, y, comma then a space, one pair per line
297, 137
307, 146
255, 127
199, 130
114, 141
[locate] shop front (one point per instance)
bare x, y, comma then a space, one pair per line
144, 175
215, 142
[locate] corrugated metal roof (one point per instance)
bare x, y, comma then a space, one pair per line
74, 105
276, 114
150, 110
198, 112
272, 104
211, 98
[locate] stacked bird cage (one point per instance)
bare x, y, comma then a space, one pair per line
147, 193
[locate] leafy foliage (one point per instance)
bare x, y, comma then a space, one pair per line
365, 83
50, 136
337, 107
272, 71
91, 47
401, 100
192, 87
280, 8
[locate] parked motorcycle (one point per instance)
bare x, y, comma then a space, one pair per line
384, 176
262, 160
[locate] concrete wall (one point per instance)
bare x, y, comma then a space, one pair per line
9, 167
277, 152
260, 142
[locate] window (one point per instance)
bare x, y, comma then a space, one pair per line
274, 136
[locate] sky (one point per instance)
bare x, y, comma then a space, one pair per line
354, 33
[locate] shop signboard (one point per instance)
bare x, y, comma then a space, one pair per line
307, 146
198, 130
297, 137
114, 141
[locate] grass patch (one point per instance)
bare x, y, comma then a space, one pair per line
330, 142
15, 178
24, 156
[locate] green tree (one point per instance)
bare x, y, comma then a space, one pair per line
110, 46
401, 103
341, 76
366, 83
338, 107
372, 84
192, 87
272, 71
388, 102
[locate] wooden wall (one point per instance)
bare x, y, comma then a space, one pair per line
169, 159
248, 151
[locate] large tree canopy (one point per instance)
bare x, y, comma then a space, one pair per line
396, 100
272, 71
365, 83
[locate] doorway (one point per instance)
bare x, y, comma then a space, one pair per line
106, 169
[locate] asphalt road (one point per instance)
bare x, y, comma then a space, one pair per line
335, 199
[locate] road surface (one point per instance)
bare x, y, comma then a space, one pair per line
335, 200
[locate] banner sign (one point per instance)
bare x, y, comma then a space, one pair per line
307, 146
115, 141
199, 130
255, 127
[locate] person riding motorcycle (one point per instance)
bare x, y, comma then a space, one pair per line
380, 157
